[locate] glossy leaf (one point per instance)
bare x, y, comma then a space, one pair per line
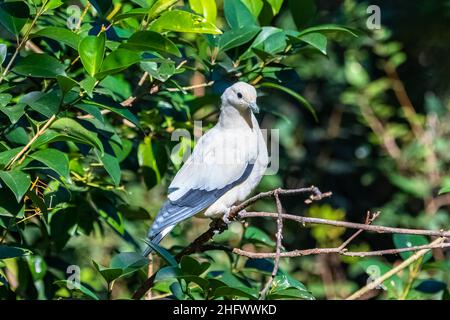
72, 128
55, 160
17, 181
151, 41
238, 15
237, 37
159, 7
117, 61
183, 21
91, 50
317, 40
256, 235
205, 8
59, 34
111, 165
328, 28
39, 65
78, 287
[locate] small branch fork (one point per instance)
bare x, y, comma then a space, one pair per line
238, 212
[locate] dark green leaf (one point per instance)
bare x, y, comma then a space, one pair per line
111, 165
151, 41
7, 252
72, 128
410, 240
302, 11
237, 37
163, 253
237, 14
17, 181
14, 15
40, 66
55, 160
328, 28
59, 34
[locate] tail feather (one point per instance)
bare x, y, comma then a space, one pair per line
156, 239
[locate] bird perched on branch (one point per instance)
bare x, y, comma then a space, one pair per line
227, 163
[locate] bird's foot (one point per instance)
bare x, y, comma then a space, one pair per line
226, 217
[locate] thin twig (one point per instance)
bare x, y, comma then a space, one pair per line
345, 224
344, 252
279, 236
28, 145
374, 284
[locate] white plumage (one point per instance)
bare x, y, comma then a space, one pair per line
225, 166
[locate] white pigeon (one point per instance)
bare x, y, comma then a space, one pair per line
227, 163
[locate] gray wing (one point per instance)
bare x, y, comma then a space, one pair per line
191, 203
206, 176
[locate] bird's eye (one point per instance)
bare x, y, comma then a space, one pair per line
239, 95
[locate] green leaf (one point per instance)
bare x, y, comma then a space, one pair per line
14, 112
105, 103
444, 189
328, 28
91, 50
14, 15
163, 72
78, 287
317, 40
302, 11
231, 292
237, 14
206, 8
183, 21
17, 181
271, 40
255, 6
237, 37
148, 164
411, 240
163, 253
117, 61
276, 5
72, 128
54, 159
190, 266
169, 272
59, 34
46, 104
66, 83
109, 274
53, 4
375, 269
286, 287
111, 164
256, 235
159, 7
40, 66
294, 94
151, 41
7, 155
128, 261
133, 13
7, 252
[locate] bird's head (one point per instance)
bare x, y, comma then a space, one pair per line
241, 96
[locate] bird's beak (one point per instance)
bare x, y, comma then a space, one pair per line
254, 107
